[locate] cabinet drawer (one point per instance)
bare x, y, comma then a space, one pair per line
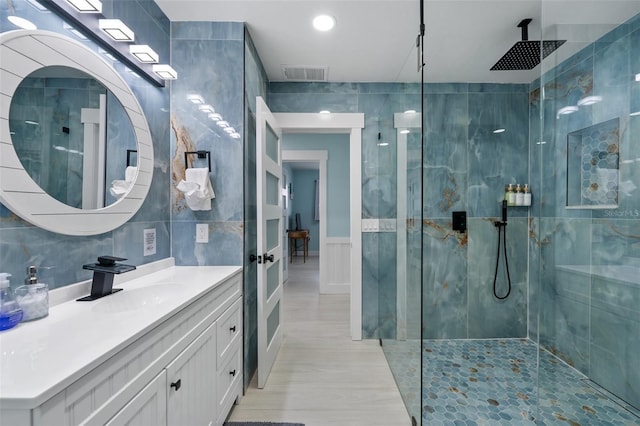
229, 331
229, 383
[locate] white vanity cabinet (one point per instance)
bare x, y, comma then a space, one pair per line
185, 369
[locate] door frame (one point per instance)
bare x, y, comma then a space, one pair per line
351, 124
320, 157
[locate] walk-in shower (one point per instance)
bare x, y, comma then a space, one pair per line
547, 331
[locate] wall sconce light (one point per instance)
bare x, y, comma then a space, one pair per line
195, 98
86, 6
165, 72
144, 53
116, 29
206, 108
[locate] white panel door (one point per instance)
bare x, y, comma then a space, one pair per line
269, 176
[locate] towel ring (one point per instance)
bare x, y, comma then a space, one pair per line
200, 154
129, 151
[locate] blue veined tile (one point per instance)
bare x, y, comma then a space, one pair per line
370, 286
534, 294
488, 316
128, 242
313, 88
444, 281
224, 247
615, 240
387, 279
302, 102
21, 247
433, 88
193, 30
496, 159
498, 88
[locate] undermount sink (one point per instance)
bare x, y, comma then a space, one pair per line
139, 298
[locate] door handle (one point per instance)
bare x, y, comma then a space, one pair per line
176, 384
253, 258
233, 373
268, 258
232, 329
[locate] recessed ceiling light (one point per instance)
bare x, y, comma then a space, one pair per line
235, 135
541, 143
499, 130
215, 117
324, 22
222, 124
229, 130
589, 100
116, 29
144, 53
86, 6
22, 23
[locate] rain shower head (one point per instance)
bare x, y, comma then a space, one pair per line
525, 54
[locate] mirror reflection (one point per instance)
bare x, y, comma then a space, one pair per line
73, 137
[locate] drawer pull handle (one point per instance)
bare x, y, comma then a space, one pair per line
232, 329
233, 373
176, 384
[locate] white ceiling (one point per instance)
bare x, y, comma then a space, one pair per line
374, 40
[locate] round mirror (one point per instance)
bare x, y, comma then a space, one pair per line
73, 137
77, 155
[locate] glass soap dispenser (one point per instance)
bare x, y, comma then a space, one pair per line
10, 312
33, 297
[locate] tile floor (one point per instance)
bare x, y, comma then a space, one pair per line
493, 382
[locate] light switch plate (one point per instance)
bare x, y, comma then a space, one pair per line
202, 233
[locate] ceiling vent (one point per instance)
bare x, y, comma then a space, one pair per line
304, 73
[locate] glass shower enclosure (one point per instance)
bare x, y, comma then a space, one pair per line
528, 317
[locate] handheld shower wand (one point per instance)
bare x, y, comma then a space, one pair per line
500, 225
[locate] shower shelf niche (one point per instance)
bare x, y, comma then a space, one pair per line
593, 158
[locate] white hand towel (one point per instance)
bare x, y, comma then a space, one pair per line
130, 173
121, 187
197, 189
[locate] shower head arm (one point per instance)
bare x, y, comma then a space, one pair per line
524, 24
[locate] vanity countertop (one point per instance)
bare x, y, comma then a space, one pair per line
40, 358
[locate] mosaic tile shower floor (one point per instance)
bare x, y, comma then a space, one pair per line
493, 382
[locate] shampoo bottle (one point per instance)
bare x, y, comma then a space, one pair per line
10, 312
33, 297
519, 196
527, 195
511, 196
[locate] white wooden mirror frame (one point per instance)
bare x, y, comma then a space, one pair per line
23, 52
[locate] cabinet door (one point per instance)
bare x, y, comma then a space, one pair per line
149, 407
191, 381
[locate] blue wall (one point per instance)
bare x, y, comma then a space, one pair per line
337, 147
468, 166
591, 322
22, 244
304, 190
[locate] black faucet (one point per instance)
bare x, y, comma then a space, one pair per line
103, 272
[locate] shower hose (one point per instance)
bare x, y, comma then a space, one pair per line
501, 225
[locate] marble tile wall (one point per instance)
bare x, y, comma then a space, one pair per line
209, 59
466, 168
22, 244
587, 319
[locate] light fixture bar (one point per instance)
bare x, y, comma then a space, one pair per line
165, 72
116, 29
88, 24
144, 53
86, 6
